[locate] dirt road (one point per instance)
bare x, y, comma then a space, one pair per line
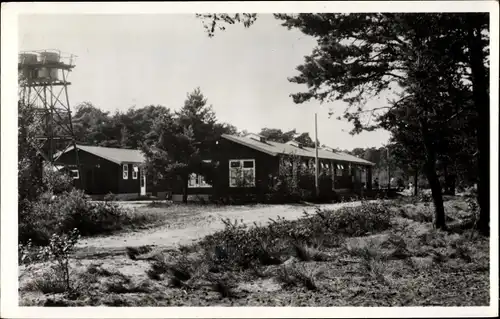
199, 226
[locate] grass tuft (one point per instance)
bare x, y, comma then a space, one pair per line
308, 253
223, 284
294, 274
134, 252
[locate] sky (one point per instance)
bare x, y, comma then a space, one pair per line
139, 60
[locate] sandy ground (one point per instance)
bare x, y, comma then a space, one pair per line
192, 228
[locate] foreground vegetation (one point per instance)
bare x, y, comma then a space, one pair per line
377, 254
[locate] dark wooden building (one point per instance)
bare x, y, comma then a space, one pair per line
105, 170
245, 165
257, 161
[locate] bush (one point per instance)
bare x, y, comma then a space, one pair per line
51, 214
425, 197
57, 182
418, 214
240, 246
58, 252
110, 197
360, 220
295, 182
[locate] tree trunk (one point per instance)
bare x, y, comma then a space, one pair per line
185, 190
446, 179
415, 180
437, 195
481, 98
430, 172
451, 185
449, 181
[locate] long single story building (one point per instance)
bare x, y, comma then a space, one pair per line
256, 161
251, 159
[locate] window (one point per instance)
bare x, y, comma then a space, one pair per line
202, 183
75, 174
135, 170
125, 171
340, 168
192, 180
196, 181
242, 173
325, 168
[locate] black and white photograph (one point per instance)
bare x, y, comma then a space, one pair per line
294, 154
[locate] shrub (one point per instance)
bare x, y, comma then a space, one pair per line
59, 249
26, 253
61, 213
57, 252
57, 182
424, 197
418, 214
90, 218
294, 182
110, 197
181, 269
240, 246
360, 220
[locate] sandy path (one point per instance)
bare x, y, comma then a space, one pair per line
192, 230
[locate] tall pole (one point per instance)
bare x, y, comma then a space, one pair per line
316, 175
388, 170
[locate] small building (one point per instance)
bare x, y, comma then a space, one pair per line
105, 170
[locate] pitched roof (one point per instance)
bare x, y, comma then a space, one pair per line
275, 148
115, 155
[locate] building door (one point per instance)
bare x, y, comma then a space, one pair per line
89, 181
143, 182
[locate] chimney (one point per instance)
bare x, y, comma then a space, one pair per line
257, 137
328, 148
295, 143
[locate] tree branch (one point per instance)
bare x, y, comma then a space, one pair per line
395, 75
